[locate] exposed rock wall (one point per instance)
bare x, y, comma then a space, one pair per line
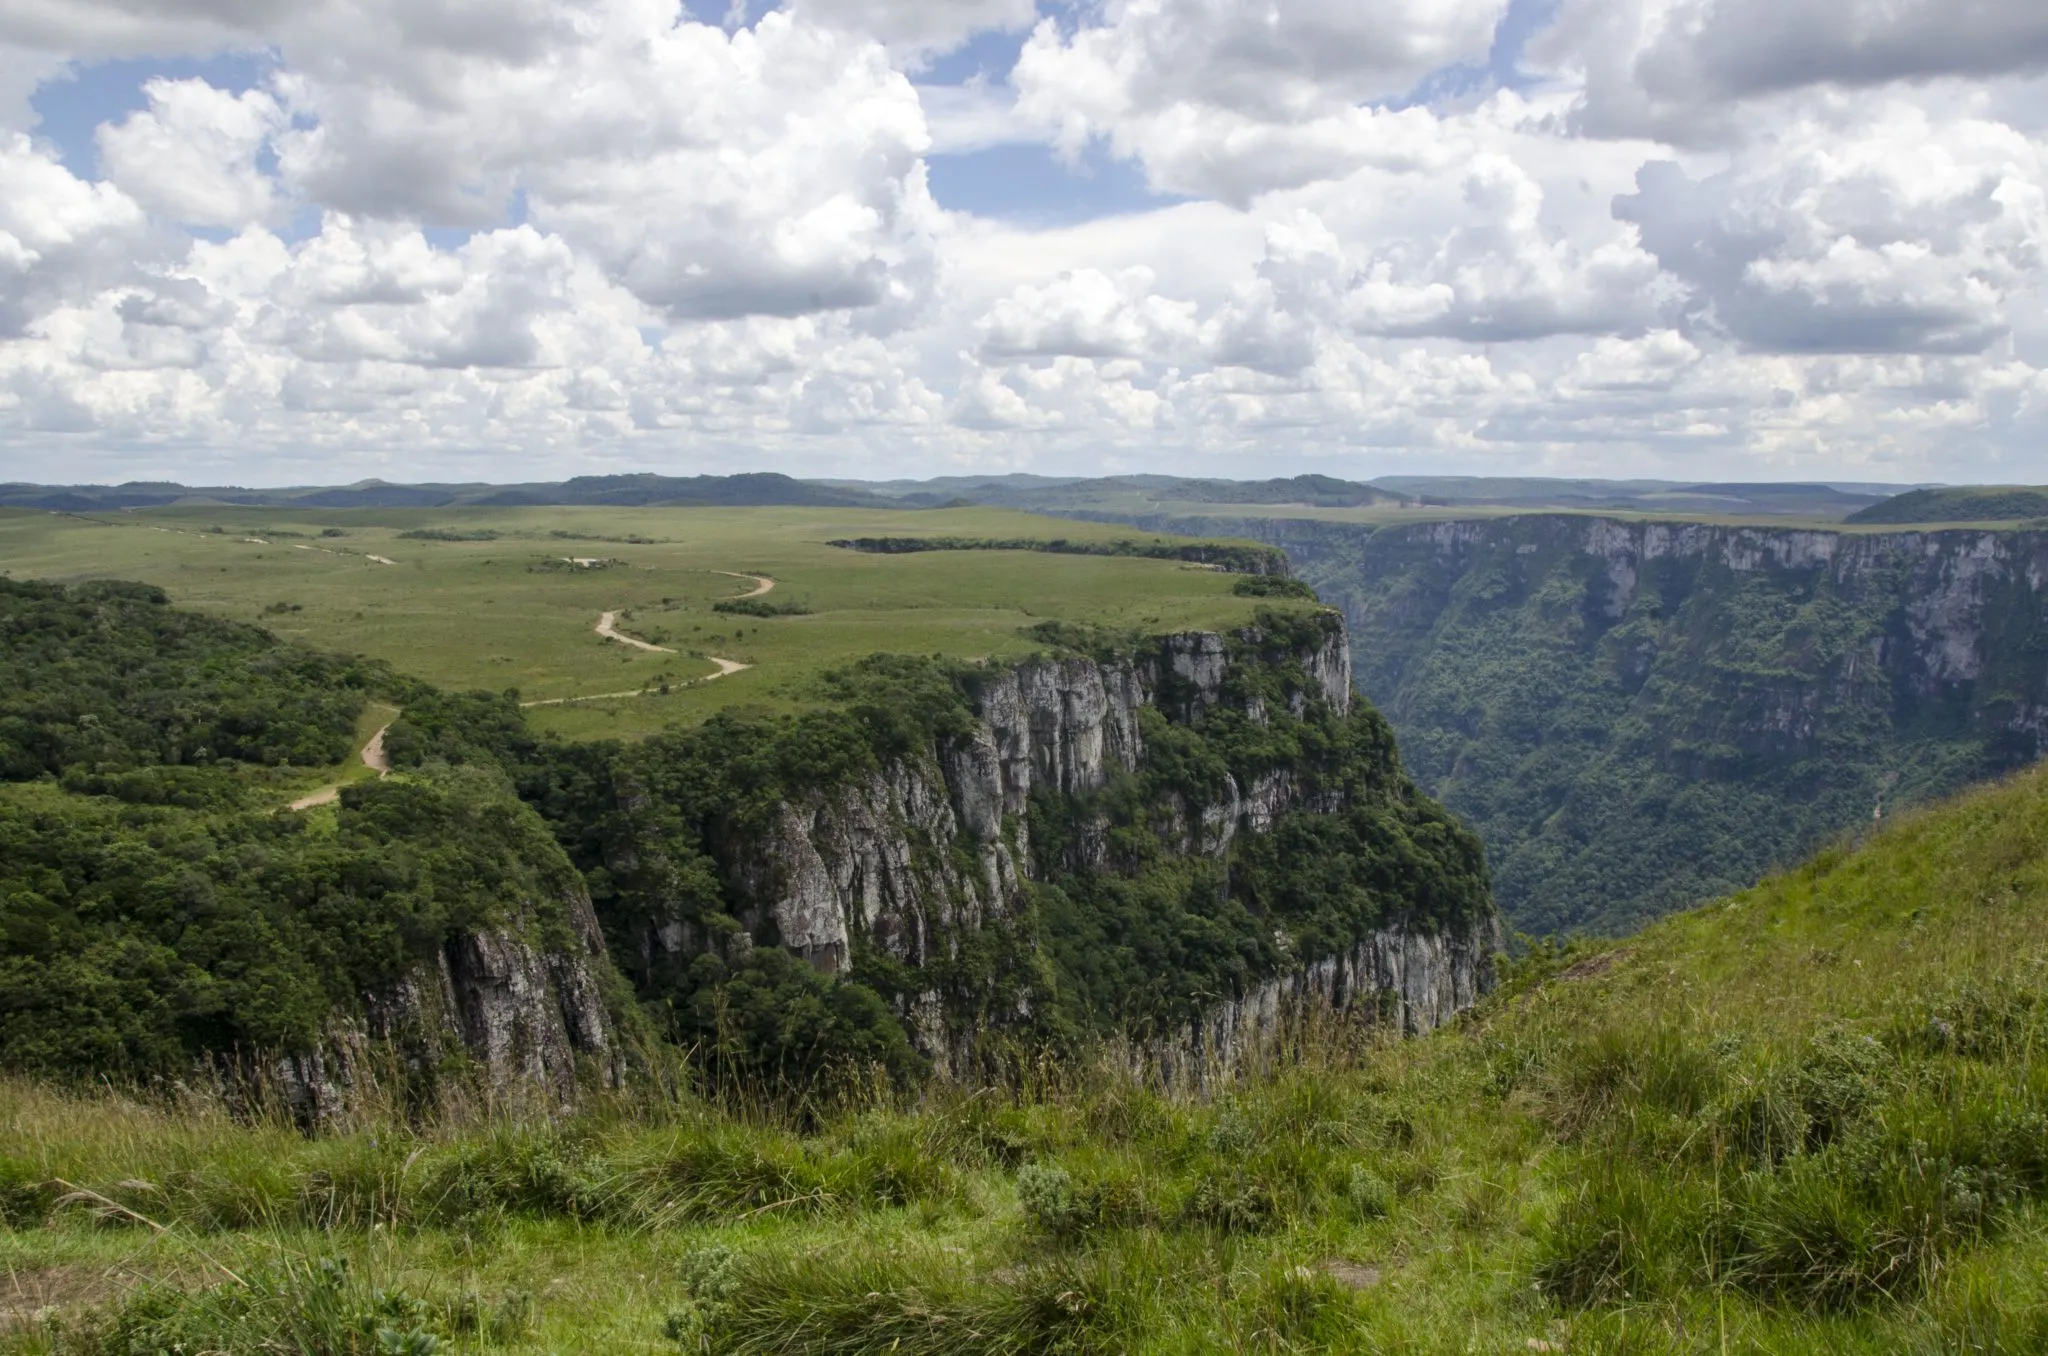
1417, 979
518, 1013
872, 860
930, 847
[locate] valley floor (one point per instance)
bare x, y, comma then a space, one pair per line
1810, 1117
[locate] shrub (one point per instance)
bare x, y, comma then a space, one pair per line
1271, 586
314, 1308
1046, 1191
1368, 1192
760, 607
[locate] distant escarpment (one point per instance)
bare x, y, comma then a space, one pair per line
1639, 715
1172, 838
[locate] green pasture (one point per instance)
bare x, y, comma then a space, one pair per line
513, 611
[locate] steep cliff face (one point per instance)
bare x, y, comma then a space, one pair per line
870, 861
910, 865
1413, 979
510, 1000
1638, 715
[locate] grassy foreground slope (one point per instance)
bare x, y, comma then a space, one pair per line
492, 597
1810, 1117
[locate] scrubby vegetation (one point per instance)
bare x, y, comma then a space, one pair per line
1805, 1118
761, 607
1271, 586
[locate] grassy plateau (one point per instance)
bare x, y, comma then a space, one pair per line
496, 598
1812, 1116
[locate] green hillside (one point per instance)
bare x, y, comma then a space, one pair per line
1959, 504
1810, 1117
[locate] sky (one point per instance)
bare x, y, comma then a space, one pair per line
314, 241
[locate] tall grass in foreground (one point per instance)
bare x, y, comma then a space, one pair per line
1811, 1117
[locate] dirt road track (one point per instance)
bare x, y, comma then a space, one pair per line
725, 667
762, 583
607, 626
374, 758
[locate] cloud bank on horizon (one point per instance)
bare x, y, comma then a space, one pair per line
1724, 239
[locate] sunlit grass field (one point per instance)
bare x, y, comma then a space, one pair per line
1812, 1117
515, 612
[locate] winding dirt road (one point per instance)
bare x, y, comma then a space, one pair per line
374, 758
607, 626
762, 583
725, 667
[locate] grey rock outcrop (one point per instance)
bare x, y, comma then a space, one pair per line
1414, 978
910, 858
520, 1015
872, 859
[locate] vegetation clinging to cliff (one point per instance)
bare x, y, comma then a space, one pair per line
1166, 924
140, 941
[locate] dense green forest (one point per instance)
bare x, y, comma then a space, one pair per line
107, 686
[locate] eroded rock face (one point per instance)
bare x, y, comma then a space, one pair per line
1417, 978
520, 1015
909, 858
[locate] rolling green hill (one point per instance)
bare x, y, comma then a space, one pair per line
1959, 504
751, 489
1808, 1117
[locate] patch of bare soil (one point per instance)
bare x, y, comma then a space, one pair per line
608, 627
374, 758
36, 1294
1352, 1275
1594, 965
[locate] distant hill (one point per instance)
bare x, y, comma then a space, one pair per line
1150, 494
635, 491
1123, 496
1741, 499
1133, 494
1959, 504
